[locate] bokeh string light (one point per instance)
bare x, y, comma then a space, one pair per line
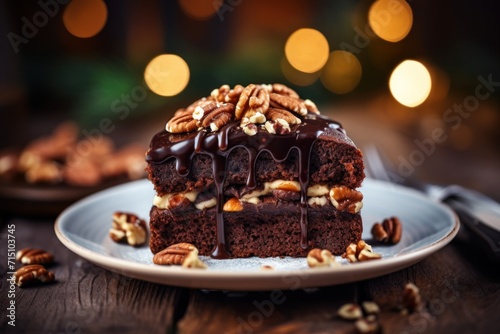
297, 77
167, 74
307, 50
200, 9
391, 20
341, 73
85, 18
410, 83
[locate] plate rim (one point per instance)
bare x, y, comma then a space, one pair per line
137, 270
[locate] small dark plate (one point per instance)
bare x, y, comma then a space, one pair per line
20, 198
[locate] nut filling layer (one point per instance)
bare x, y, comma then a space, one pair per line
341, 197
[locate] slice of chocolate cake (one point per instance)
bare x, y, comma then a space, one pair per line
254, 171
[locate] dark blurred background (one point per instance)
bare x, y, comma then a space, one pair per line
88, 60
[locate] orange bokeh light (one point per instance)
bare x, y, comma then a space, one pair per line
200, 9
167, 75
85, 18
341, 73
307, 50
391, 20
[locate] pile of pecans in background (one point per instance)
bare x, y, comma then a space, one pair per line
63, 158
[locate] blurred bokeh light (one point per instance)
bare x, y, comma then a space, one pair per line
297, 77
410, 83
342, 72
200, 9
391, 20
307, 50
85, 18
167, 74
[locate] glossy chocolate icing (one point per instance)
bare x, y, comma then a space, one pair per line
218, 145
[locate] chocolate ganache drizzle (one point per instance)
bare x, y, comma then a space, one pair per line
219, 144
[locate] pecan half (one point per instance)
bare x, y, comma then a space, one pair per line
287, 103
183, 253
34, 256
253, 99
219, 94
225, 94
346, 199
33, 273
275, 114
128, 228
183, 122
310, 106
218, 117
393, 229
284, 90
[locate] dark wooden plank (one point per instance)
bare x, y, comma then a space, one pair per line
86, 298
460, 287
269, 311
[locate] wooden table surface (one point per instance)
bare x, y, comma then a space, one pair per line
460, 286
461, 289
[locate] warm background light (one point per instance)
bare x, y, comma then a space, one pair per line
85, 18
297, 77
440, 82
200, 9
391, 20
410, 83
307, 50
167, 75
341, 73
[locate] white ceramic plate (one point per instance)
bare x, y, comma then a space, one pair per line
427, 227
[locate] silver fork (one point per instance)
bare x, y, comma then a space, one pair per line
479, 213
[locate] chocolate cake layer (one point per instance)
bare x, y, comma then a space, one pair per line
266, 229
254, 170
334, 160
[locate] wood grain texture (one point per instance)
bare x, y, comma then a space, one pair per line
461, 289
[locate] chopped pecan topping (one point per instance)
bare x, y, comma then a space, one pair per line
253, 104
250, 129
